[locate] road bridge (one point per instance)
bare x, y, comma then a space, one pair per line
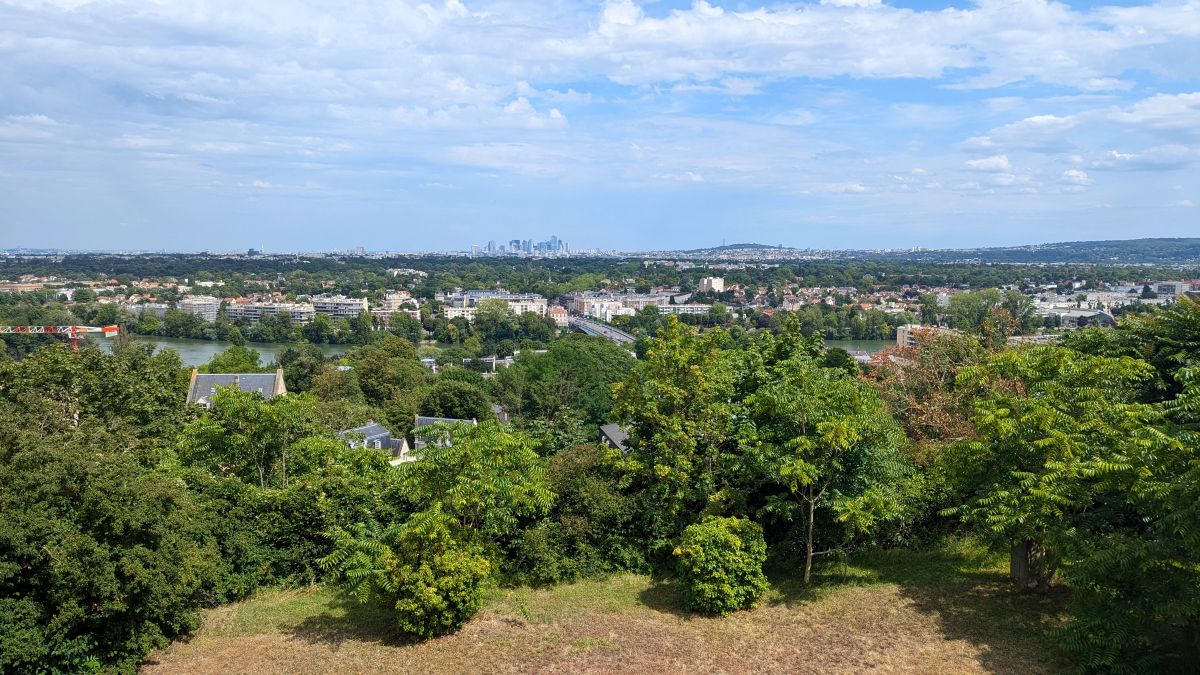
589, 327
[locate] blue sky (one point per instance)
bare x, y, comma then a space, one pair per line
415, 126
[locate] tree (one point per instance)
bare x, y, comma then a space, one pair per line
457, 400
320, 330
101, 558
245, 436
234, 360
676, 405
828, 439
432, 569
1049, 420
577, 371
300, 365
485, 476
406, 327
431, 580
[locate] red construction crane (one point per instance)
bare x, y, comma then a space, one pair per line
72, 332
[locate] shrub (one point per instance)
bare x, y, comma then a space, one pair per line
720, 565
588, 531
438, 594
425, 571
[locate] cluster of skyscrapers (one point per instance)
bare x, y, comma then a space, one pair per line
521, 247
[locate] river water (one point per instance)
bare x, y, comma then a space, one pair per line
197, 352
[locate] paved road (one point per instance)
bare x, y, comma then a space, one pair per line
603, 330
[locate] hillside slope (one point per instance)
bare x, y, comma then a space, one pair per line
947, 611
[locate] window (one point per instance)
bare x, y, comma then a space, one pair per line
378, 445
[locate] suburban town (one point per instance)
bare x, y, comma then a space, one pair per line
600, 336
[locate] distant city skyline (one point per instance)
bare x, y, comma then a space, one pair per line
412, 126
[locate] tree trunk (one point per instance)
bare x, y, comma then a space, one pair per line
812, 507
1026, 565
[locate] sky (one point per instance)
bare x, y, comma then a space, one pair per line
626, 124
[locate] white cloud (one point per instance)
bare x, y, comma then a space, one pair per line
998, 163
684, 177
852, 187
1075, 177
1185, 203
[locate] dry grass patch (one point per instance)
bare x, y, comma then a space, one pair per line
945, 611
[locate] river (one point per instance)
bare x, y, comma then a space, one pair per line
861, 346
197, 352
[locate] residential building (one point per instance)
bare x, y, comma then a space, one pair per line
203, 306
155, 309
614, 437
1081, 318
560, 316
375, 435
695, 308
204, 386
712, 285
909, 335
640, 302
1172, 288
339, 306
298, 312
464, 303
420, 430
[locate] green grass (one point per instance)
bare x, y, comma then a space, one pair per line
947, 609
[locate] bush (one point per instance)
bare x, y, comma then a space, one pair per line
720, 565
588, 531
425, 571
101, 560
438, 594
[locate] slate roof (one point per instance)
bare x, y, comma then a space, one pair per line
614, 436
204, 385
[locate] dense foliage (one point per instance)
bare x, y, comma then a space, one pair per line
720, 565
125, 511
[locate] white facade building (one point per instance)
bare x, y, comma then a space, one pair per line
712, 285
298, 312
464, 303
339, 306
203, 306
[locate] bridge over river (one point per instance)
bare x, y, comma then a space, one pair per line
604, 330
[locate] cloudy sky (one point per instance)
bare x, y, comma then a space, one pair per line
403, 126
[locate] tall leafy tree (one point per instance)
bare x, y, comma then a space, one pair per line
676, 405
828, 439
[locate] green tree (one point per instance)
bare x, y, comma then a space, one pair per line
457, 400
676, 405
483, 475
828, 438
245, 436
720, 563
234, 360
101, 558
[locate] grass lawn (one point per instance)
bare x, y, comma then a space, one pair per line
947, 610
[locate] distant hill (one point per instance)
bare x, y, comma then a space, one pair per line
1150, 251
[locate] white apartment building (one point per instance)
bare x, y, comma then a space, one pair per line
909, 334
464, 303
605, 311
712, 285
203, 306
640, 302
339, 306
695, 308
298, 312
